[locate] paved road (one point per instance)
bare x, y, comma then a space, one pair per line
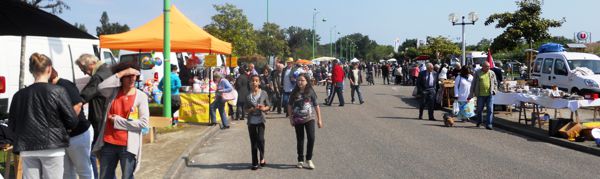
383, 139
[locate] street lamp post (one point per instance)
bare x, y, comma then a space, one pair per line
335, 46
331, 42
454, 19
314, 31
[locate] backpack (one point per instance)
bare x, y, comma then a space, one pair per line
302, 110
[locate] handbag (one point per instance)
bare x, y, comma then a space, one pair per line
230, 95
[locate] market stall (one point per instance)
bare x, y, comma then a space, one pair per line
537, 99
185, 36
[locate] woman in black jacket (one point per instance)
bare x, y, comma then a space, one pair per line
39, 117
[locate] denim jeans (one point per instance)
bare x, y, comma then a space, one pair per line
310, 135
285, 100
240, 113
77, 156
355, 88
489, 102
110, 155
220, 105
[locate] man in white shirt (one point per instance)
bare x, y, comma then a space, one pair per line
355, 81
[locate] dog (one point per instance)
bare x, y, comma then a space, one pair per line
449, 120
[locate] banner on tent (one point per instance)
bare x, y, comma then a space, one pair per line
210, 60
233, 62
194, 108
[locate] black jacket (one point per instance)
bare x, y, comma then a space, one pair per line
422, 83
40, 116
97, 103
242, 86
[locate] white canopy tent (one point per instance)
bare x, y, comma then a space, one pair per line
321, 59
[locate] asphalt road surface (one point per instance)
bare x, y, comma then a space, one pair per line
384, 139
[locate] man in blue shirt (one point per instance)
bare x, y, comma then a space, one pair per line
175, 85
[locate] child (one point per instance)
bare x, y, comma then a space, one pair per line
256, 107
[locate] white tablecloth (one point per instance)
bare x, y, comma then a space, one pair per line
544, 101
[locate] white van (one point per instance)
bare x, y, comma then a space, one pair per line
475, 57
62, 51
559, 68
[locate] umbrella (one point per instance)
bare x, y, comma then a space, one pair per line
391, 60
354, 60
21, 19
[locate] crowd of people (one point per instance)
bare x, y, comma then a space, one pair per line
56, 139
52, 134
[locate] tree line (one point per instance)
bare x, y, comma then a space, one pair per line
523, 29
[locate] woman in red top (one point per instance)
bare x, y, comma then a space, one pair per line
415, 74
120, 139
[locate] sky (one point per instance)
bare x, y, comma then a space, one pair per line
382, 20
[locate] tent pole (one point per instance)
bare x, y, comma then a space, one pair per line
22, 63
167, 57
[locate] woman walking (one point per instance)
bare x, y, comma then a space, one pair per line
462, 88
304, 110
40, 116
256, 107
120, 139
223, 86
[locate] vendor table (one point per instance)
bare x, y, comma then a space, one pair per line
542, 102
195, 108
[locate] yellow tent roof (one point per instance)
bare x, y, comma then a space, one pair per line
185, 37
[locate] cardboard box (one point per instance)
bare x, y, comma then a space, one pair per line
160, 122
571, 130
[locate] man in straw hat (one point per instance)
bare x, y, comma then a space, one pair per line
288, 82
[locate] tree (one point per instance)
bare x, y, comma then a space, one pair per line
523, 24
271, 41
299, 41
55, 6
440, 47
231, 25
106, 27
408, 43
80, 27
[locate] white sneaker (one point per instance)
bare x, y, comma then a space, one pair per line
300, 165
311, 165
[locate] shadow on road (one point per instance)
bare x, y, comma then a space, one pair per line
384, 117
412, 101
239, 166
228, 166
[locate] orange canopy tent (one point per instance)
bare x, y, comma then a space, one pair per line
185, 37
304, 62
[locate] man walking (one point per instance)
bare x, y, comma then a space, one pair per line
276, 87
426, 85
484, 87
385, 73
337, 79
355, 81
288, 81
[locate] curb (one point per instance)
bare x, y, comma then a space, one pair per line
527, 131
175, 169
